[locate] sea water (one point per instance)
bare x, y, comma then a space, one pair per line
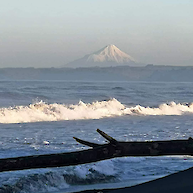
42, 117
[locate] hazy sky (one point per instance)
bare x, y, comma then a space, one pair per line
48, 33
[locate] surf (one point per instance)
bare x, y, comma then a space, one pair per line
42, 111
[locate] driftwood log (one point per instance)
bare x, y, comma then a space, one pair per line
99, 152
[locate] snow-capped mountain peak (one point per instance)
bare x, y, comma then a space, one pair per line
109, 53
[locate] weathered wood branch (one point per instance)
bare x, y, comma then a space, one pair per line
109, 138
93, 145
99, 152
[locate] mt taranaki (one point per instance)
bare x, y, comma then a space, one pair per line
108, 56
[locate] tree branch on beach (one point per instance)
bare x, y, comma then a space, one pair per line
99, 152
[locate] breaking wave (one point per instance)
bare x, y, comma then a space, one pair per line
54, 181
42, 111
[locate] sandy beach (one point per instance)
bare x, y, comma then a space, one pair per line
178, 182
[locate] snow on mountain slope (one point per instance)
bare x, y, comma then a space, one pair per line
108, 56
110, 53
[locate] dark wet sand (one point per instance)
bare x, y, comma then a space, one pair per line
178, 183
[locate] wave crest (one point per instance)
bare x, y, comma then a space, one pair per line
42, 111
56, 112
61, 179
164, 109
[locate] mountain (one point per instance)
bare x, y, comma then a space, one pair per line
108, 56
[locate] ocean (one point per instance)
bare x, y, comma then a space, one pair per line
42, 117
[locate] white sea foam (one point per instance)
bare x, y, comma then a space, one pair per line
164, 109
42, 111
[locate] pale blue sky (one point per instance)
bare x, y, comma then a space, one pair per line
48, 33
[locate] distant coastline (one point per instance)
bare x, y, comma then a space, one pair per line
119, 73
